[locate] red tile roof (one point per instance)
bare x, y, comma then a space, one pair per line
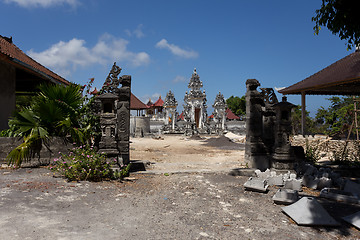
136, 104
340, 78
230, 115
15, 55
181, 116
158, 103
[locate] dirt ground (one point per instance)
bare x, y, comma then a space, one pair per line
176, 153
196, 200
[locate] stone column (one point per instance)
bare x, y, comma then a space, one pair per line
255, 150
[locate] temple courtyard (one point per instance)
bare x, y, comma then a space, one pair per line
186, 193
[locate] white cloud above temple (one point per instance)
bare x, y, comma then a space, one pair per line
65, 57
176, 50
137, 32
43, 3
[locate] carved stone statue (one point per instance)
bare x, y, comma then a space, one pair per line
115, 116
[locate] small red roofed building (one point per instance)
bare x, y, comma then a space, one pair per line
155, 110
230, 115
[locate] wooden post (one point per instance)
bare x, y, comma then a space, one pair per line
303, 113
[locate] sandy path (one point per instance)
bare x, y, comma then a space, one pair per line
175, 153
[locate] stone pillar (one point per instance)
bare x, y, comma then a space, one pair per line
283, 157
7, 93
123, 118
255, 150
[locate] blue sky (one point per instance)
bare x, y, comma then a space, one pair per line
160, 42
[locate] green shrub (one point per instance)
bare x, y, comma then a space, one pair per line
84, 163
312, 153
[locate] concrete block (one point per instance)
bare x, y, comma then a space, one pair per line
292, 176
262, 175
286, 175
352, 187
338, 195
293, 184
308, 212
258, 185
310, 170
285, 196
324, 183
276, 180
310, 181
353, 219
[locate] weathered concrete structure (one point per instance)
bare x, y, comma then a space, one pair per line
219, 113
115, 116
268, 127
195, 108
283, 157
256, 154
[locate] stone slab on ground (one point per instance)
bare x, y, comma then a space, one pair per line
308, 212
353, 219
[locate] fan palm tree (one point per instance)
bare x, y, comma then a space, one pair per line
56, 111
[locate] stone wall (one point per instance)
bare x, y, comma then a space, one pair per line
56, 145
139, 126
325, 144
237, 127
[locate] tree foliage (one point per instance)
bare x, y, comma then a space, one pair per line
338, 117
56, 111
341, 17
237, 105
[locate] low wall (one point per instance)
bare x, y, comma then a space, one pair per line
56, 145
237, 127
155, 126
324, 144
139, 125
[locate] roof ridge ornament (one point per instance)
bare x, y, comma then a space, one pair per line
112, 81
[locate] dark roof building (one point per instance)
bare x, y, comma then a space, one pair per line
340, 78
19, 74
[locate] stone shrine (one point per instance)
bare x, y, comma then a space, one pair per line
283, 157
170, 105
219, 113
268, 127
115, 116
195, 108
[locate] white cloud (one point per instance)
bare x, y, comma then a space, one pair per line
43, 3
179, 79
176, 50
137, 32
64, 57
154, 97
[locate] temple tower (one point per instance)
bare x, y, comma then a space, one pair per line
195, 108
